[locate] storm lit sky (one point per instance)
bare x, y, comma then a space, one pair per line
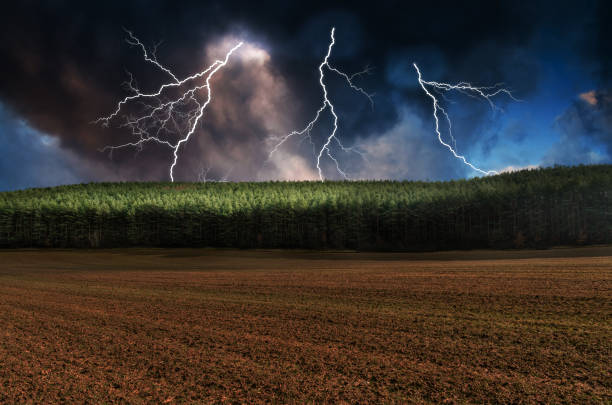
64, 62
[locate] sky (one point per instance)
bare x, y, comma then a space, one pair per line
66, 63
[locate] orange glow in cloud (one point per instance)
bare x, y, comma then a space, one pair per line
590, 97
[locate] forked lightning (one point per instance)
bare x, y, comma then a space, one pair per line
177, 107
325, 148
164, 112
486, 93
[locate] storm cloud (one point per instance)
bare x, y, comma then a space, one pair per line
586, 129
64, 62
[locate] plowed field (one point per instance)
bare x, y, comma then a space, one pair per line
202, 326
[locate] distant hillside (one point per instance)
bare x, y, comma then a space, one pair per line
536, 208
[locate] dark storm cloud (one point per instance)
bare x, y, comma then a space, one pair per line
63, 62
585, 125
32, 159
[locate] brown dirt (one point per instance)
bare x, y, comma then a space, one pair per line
202, 326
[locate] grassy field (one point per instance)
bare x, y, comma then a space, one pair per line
187, 325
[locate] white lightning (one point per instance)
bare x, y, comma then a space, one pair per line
203, 175
178, 113
325, 149
486, 93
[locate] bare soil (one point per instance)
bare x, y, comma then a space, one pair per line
214, 326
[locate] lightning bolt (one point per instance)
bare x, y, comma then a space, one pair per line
485, 93
203, 175
327, 104
174, 108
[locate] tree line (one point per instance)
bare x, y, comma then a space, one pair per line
533, 208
